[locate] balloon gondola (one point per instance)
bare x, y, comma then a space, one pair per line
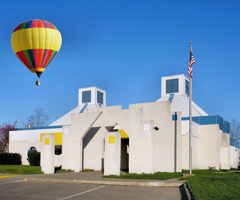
37, 82
36, 43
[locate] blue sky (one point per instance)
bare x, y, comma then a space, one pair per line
123, 47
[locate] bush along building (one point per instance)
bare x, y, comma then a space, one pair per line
146, 138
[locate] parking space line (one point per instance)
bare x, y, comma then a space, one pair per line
12, 182
82, 193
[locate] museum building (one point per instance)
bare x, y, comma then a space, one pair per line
145, 138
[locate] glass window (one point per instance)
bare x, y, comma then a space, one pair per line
58, 149
172, 86
31, 149
99, 97
186, 87
86, 96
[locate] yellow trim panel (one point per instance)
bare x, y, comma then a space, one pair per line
111, 139
58, 137
124, 135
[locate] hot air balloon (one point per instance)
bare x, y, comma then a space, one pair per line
36, 43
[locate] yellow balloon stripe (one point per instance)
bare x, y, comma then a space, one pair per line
41, 34
36, 38
48, 37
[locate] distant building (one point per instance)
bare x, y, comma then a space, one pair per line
146, 138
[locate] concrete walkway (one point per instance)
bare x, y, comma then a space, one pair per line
95, 177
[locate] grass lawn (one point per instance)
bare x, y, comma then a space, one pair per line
207, 184
20, 169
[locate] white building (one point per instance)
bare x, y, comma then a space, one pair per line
145, 138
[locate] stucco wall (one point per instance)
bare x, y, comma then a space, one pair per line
149, 150
234, 157
185, 145
209, 146
20, 141
225, 151
73, 139
22, 148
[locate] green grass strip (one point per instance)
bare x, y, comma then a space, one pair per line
20, 169
155, 176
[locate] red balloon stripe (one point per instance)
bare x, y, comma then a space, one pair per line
42, 57
35, 23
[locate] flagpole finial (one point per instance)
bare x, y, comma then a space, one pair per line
190, 45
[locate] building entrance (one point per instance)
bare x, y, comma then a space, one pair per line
124, 155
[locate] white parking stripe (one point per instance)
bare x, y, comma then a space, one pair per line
12, 182
82, 192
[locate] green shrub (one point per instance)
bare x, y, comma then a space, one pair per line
10, 159
34, 158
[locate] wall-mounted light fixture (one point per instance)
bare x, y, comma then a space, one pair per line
156, 128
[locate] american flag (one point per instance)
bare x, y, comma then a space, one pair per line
191, 62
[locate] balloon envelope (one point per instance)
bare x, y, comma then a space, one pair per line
36, 43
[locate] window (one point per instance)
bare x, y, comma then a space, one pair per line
99, 97
186, 87
31, 149
86, 96
172, 86
58, 149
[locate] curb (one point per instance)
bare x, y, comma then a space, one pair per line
185, 192
119, 183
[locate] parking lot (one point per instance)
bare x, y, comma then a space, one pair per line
16, 188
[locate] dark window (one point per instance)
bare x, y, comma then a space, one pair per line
86, 96
31, 149
186, 87
58, 149
99, 97
172, 86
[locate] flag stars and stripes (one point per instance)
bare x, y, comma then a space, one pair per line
191, 62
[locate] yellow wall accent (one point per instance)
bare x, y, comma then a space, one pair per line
111, 139
47, 141
123, 134
58, 137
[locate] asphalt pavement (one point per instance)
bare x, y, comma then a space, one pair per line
95, 177
85, 185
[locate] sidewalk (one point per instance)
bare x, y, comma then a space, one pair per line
95, 177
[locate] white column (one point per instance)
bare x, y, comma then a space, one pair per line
112, 157
47, 154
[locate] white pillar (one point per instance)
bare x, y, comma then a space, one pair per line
47, 154
112, 157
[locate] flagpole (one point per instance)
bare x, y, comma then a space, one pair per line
190, 119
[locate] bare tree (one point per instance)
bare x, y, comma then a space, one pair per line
4, 135
235, 129
38, 118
